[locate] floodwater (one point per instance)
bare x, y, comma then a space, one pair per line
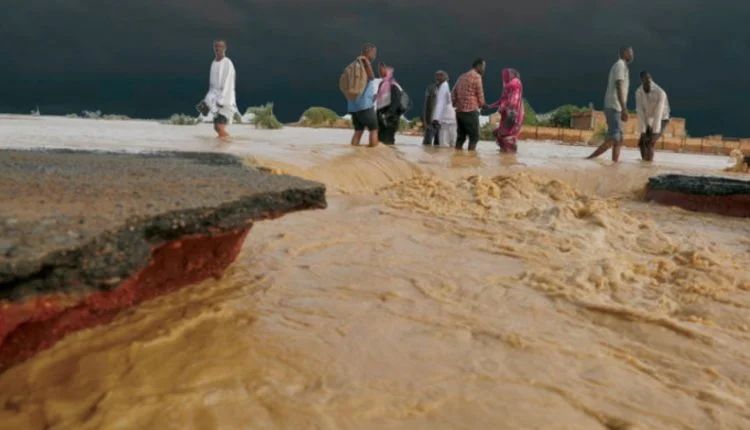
437, 291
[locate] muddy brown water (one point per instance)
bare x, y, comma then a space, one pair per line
437, 291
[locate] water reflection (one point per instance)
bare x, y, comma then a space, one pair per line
464, 159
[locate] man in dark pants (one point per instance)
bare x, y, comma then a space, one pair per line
468, 99
652, 106
362, 109
430, 115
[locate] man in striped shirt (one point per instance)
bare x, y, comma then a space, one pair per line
468, 99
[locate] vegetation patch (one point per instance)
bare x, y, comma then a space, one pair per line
263, 117
181, 119
318, 116
487, 131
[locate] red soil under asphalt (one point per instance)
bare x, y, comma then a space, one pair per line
29, 327
737, 205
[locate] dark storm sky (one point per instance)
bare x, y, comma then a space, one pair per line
150, 58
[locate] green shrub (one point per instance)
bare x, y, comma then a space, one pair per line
416, 124
71, 115
92, 114
403, 124
600, 133
263, 117
487, 131
562, 116
182, 119
318, 116
529, 117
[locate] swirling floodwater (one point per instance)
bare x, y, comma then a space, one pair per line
438, 291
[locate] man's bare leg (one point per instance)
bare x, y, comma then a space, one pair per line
651, 148
222, 131
373, 138
616, 151
357, 137
642, 147
601, 149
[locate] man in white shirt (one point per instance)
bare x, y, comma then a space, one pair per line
221, 98
652, 106
433, 110
615, 104
444, 114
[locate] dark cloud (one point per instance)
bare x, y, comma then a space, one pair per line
150, 58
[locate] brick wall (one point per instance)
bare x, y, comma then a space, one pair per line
708, 145
675, 128
582, 121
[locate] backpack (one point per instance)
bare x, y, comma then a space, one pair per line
404, 102
353, 80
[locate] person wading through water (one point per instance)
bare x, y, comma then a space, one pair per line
468, 99
652, 107
445, 113
615, 104
362, 108
220, 99
511, 111
433, 109
388, 102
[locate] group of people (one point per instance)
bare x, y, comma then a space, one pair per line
452, 116
376, 109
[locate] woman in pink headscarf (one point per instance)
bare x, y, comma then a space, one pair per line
510, 108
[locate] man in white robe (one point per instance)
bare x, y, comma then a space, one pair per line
444, 113
221, 98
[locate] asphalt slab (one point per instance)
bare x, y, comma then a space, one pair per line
71, 220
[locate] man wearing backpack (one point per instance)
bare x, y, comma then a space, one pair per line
392, 102
362, 108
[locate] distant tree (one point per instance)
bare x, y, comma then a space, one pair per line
529, 113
